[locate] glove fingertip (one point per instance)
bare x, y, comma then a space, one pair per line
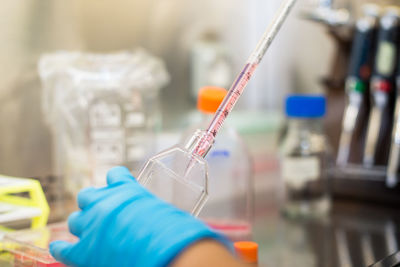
119, 174
59, 250
85, 196
74, 223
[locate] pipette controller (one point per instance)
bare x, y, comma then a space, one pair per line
392, 175
382, 88
179, 175
359, 73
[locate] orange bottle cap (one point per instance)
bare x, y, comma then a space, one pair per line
247, 251
209, 98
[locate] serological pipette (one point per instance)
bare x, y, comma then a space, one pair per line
242, 79
179, 174
392, 173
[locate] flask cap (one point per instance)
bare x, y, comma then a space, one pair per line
247, 251
209, 98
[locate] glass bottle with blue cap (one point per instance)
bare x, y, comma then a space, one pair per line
305, 158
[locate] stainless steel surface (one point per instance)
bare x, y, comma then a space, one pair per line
353, 235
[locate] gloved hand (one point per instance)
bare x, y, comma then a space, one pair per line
123, 224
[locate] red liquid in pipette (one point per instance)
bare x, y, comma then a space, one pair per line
226, 107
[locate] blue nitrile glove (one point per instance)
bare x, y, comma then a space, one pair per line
123, 224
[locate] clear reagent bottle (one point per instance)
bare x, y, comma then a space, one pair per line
305, 158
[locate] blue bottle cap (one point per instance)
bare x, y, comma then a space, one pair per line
305, 106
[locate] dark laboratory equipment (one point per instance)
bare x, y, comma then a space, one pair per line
376, 148
357, 83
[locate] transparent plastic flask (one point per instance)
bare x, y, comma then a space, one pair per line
229, 208
178, 176
305, 158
